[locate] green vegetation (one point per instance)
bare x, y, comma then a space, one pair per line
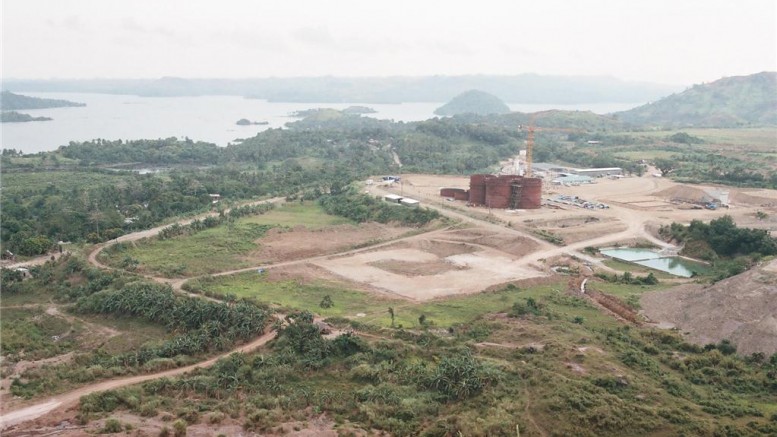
419, 383
473, 102
10, 101
214, 244
17, 117
362, 208
731, 249
162, 329
728, 102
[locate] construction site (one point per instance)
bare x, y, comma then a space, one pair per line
515, 190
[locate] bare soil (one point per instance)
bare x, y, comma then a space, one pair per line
742, 309
449, 263
300, 243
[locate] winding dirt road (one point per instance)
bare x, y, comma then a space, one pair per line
35, 411
636, 228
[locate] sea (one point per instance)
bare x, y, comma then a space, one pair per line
203, 118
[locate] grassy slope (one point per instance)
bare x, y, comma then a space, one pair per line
216, 249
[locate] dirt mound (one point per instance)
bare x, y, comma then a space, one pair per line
742, 309
750, 200
685, 193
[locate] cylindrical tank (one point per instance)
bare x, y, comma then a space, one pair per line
448, 192
477, 189
531, 193
498, 191
461, 195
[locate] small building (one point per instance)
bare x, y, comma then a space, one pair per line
392, 198
572, 179
598, 172
214, 198
412, 203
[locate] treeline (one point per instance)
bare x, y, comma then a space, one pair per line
152, 152
731, 249
723, 237
363, 208
201, 325
198, 225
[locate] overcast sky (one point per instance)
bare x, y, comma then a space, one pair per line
668, 41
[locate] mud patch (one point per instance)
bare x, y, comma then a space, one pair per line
407, 268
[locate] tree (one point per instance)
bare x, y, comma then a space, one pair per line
664, 165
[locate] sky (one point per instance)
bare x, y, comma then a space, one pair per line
678, 42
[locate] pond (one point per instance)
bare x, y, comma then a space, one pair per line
674, 265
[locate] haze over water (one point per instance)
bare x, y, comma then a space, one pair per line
206, 118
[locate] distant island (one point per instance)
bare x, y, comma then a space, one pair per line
18, 117
358, 110
473, 102
10, 101
247, 122
330, 112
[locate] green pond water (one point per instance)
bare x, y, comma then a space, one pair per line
674, 265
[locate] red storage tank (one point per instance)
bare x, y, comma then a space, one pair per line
498, 191
477, 189
531, 193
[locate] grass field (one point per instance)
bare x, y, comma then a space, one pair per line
442, 313
309, 215
217, 249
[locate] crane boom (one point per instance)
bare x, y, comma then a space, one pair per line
529, 148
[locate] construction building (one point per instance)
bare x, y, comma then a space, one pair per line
505, 191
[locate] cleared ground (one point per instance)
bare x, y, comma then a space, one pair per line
742, 308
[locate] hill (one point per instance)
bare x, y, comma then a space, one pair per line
740, 101
11, 101
17, 117
523, 88
741, 309
473, 102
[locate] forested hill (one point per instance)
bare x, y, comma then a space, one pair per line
473, 102
729, 102
10, 101
523, 88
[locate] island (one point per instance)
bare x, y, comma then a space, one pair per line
10, 102
18, 117
247, 122
358, 110
473, 102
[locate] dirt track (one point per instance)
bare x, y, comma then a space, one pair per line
636, 222
70, 398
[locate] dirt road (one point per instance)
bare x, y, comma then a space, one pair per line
32, 412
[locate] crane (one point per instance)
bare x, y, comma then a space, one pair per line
529, 147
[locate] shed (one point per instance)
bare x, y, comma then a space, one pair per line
409, 202
392, 198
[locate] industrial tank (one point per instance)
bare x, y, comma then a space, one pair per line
530, 193
477, 189
498, 191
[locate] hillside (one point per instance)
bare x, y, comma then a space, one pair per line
741, 309
523, 88
18, 117
473, 102
11, 101
740, 101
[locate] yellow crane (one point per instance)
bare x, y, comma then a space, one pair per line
529, 147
